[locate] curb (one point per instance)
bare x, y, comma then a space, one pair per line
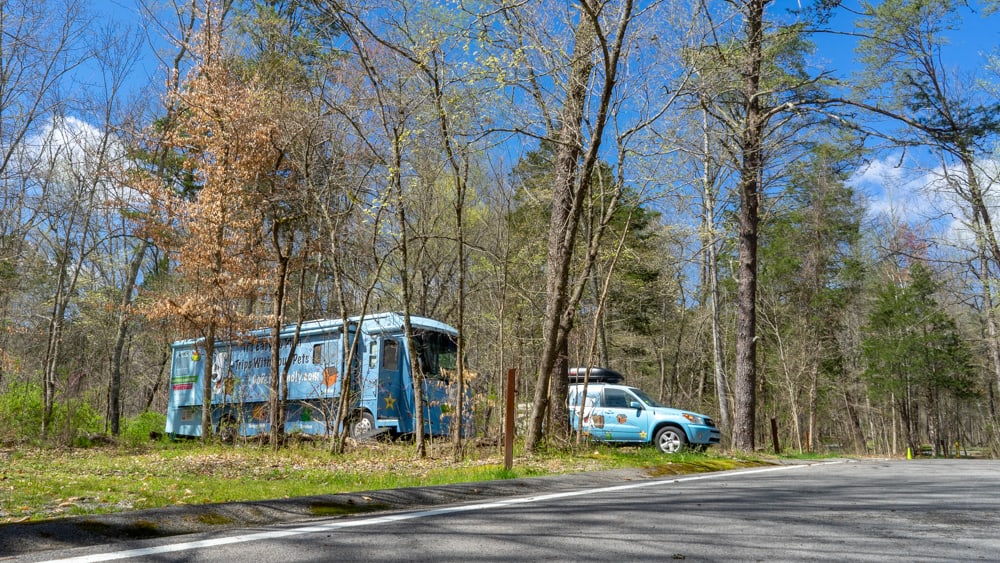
82, 531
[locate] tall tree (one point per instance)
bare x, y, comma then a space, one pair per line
400, 69
41, 45
116, 50
710, 183
905, 74
575, 162
906, 79
226, 131
286, 46
750, 166
69, 216
915, 351
758, 89
810, 274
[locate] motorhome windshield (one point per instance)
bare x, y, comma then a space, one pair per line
437, 353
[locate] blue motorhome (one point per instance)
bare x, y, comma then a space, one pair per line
381, 378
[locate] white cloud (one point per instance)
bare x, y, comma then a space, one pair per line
71, 154
897, 186
900, 187
75, 143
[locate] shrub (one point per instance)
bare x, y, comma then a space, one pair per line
77, 419
137, 431
21, 413
21, 417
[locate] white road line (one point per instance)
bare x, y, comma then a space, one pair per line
374, 521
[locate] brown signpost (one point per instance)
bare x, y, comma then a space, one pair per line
508, 426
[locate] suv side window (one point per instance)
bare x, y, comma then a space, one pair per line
615, 399
592, 397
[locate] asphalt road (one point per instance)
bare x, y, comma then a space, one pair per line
927, 510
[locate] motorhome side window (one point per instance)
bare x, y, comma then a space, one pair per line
372, 354
318, 354
390, 354
182, 365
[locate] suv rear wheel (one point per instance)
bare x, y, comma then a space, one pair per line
670, 439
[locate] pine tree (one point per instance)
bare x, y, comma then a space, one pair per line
915, 352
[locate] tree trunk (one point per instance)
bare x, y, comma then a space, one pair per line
52, 351
563, 224
277, 383
857, 434
749, 220
813, 407
993, 342
933, 429
65, 288
459, 177
712, 279
404, 280
164, 365
114, 391
206, 383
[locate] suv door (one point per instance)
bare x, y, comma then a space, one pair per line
622, 422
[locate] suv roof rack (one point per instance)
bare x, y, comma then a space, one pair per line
597, 375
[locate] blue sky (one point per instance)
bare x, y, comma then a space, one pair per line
908, 184
127, 13
894, 180
979, 35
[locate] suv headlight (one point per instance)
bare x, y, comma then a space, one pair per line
693, 418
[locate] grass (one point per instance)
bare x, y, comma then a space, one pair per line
37, 484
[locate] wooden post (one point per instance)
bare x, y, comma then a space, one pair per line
774, 435
508, 426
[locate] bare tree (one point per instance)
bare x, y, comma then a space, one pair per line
41, 44
571, 181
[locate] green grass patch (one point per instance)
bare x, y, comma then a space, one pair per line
38, 484
687, 466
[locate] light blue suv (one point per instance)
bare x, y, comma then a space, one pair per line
623, 414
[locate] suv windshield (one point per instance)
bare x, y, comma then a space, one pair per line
645, 398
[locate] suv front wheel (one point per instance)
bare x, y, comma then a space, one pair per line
670, 439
